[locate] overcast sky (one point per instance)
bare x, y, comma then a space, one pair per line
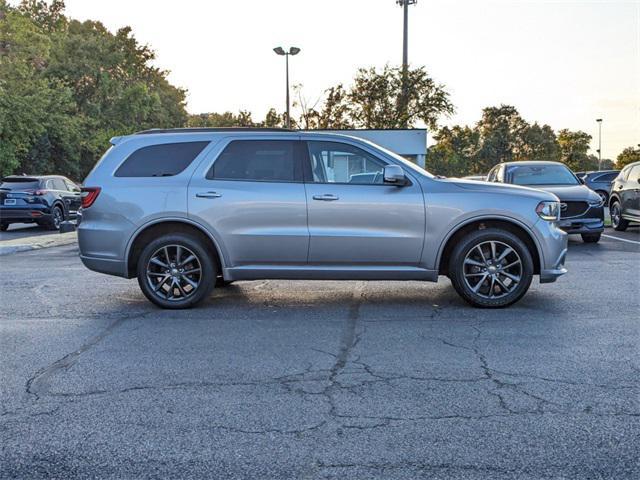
564, 63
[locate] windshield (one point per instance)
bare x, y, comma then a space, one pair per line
541, 175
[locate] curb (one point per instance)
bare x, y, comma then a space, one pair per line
35, 243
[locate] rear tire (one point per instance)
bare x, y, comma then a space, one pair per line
57, 217
491, 268
590, 237
180, 280
617, 222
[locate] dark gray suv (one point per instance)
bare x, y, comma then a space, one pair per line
184, 210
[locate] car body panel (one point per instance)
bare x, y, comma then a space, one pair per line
626, 190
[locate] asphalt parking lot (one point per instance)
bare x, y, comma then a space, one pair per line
278, 379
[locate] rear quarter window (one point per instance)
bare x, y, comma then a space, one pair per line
163, 160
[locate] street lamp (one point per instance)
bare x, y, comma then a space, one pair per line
405, 58
599, 120
292, 51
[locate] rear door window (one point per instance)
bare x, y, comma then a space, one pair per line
163, 160
259, 161
58, 184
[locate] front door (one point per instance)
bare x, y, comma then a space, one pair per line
631, 193
354, 217
252, 198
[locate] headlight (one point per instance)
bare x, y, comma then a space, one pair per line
549, 211
596, 203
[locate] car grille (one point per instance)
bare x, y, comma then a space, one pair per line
573, 209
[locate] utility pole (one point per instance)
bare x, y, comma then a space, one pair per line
404, 101
599, 120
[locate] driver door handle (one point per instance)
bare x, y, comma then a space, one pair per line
327, 197
208, 195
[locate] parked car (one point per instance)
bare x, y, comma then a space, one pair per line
46, 200
179, 208
600, 182
582, 209
624, 203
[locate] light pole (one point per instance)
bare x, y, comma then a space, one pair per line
292, 51
404, 101
599, 120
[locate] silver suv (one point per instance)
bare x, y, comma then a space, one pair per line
189, 209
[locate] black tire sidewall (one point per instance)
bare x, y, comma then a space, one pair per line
470, 241
207, 282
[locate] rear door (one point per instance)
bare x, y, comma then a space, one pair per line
354, 217
252, 198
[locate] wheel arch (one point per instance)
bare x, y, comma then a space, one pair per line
153, 229
509, 224
612, 197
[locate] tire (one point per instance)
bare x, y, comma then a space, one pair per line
3, 227
590, 237
604, 196
170, 287
466, 265
617, 222
57, 217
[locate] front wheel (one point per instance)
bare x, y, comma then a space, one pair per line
491, 268
176, 271
590, 237
57, 217
617, 222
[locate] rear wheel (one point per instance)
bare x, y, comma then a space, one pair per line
590, 237
176, 271
491, 268
57, 217
617, 222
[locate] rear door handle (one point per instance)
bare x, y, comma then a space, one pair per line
327, 197
208, 195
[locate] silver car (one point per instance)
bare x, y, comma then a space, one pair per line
189, 209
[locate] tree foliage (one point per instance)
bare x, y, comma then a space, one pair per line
502, 135
628, 155
66, 87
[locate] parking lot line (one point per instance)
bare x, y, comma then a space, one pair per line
621, 239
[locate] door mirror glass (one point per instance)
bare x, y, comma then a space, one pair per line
395, 175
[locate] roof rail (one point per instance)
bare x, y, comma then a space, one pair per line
219, 129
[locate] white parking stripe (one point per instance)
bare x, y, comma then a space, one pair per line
621, 239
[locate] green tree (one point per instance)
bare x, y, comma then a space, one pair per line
455, 152
375, 97
574, 146
627, 156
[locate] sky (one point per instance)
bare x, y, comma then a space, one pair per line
564, 63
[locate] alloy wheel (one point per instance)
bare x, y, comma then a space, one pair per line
492, 269
615, 215
57, 217
174, 272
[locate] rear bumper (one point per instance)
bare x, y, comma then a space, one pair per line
21, 214
105, 265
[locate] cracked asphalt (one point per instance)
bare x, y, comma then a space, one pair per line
309, 380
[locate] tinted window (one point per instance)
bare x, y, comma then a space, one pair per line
634, 174
258, 160
19, 184
58, 184
607, 177
333, 162
162, 160
72, 187
541, 175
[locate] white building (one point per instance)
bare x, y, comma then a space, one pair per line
410, 143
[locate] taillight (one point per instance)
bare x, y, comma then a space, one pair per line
40, 192
89, 195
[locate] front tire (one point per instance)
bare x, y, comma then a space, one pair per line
176, 271
491, 268
617, 222
591, 237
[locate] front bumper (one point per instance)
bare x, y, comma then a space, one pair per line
554, 244
591, 221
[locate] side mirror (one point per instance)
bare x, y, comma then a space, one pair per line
394, 174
